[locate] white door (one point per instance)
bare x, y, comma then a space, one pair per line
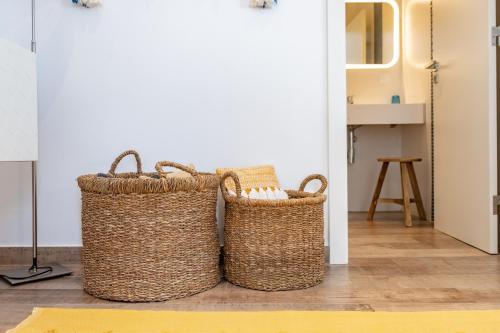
465, 121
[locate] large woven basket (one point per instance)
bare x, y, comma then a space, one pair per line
274, 244
147, 239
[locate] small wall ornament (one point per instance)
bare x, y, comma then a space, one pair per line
263, 3
87, 3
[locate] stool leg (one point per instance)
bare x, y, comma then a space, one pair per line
416, 192
378, 189
405, 184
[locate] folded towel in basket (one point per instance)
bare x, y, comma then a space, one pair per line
258, 182
268, 193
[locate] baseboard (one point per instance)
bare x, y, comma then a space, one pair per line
64, 255
23, 255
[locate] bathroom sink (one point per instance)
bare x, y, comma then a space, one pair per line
385, 114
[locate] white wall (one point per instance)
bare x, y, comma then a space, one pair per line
214, 83
374, 142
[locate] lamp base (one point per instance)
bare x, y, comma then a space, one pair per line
18, 276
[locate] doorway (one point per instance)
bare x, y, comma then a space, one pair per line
457, 138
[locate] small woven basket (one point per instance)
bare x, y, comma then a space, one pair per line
274, 244
147, 239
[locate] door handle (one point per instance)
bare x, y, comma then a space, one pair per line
434, 66
496, 203
495, 33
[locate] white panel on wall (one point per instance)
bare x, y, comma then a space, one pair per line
213, 83
15, 177
18, 103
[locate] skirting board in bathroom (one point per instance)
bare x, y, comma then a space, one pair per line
64, 255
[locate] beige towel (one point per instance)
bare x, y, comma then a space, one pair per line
252, 177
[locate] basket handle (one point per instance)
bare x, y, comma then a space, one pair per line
237, 184
112, 170
324, 183
160, 165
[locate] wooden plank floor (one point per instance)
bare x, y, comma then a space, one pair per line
391, 268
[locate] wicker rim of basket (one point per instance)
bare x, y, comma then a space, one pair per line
299, 197
130, 183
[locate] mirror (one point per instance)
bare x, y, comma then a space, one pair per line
372, 34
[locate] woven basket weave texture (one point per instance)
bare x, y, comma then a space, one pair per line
149, 239
274, 245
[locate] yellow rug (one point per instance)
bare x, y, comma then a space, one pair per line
121, 321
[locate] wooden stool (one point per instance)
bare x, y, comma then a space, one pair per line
407, 177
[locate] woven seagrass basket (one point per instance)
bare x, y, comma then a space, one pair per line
149, 239
274, 244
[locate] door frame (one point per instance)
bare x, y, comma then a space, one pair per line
337, 131
498, 118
